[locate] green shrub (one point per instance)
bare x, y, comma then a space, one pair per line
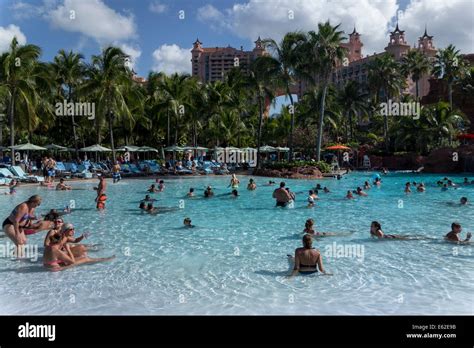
321, 165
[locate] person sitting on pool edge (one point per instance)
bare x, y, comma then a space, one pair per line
307, 260
282, 196
61, 186
453, 236
187, 223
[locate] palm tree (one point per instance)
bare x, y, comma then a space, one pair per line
262, 80
173, 93
353, 102
109, 81
450, 67
415, 64
384, 77
15, 66
322, 52
286, 54
69, 70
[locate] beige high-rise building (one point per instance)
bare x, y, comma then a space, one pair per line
212, 63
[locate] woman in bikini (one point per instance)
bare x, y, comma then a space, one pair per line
376, 231
307, 260
55, 259
20, 219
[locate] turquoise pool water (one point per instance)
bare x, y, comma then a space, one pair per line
234, 261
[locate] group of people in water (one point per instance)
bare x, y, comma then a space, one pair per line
62, 250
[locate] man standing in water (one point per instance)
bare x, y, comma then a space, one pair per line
101, 197
282, 196
116, 172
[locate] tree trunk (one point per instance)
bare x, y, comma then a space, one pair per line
111, 130
450, 92
259, 132
292, 125
168, 126
74, 133
416, 90
321, 123
350, 126
11, 108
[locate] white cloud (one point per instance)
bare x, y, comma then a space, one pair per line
157, 7
209, 12
172, 58
94, 19
133, 52
7, 34
448, 21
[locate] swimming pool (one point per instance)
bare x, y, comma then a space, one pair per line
234, 261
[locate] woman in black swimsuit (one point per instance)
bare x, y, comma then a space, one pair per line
307, 260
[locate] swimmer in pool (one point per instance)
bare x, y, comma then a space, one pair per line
187, 223
282, 196
326, 190
450, 183
61, 186
251, 185
367, 186
421, 187
161, 185
234, 182
312, 196
142, 206
150, 209
208, 192
66, 232
152, 189
376, 231
55, 259
466, 181
453, 236
349, 195
190, 193
377, 182
463, 201
292, 194
235, 193
407, 188
309, 229
307, 260
445, 187
360, 192
12, 187
148, 199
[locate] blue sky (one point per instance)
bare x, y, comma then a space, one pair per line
152, 25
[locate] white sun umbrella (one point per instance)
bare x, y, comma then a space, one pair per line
129, 148
282, 149
174, 148
267, 148
55, 147
95, 148
28, 147
147, 149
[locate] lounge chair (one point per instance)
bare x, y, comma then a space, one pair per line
61, 169
7, 176
83, 172
135, 170
23, 176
